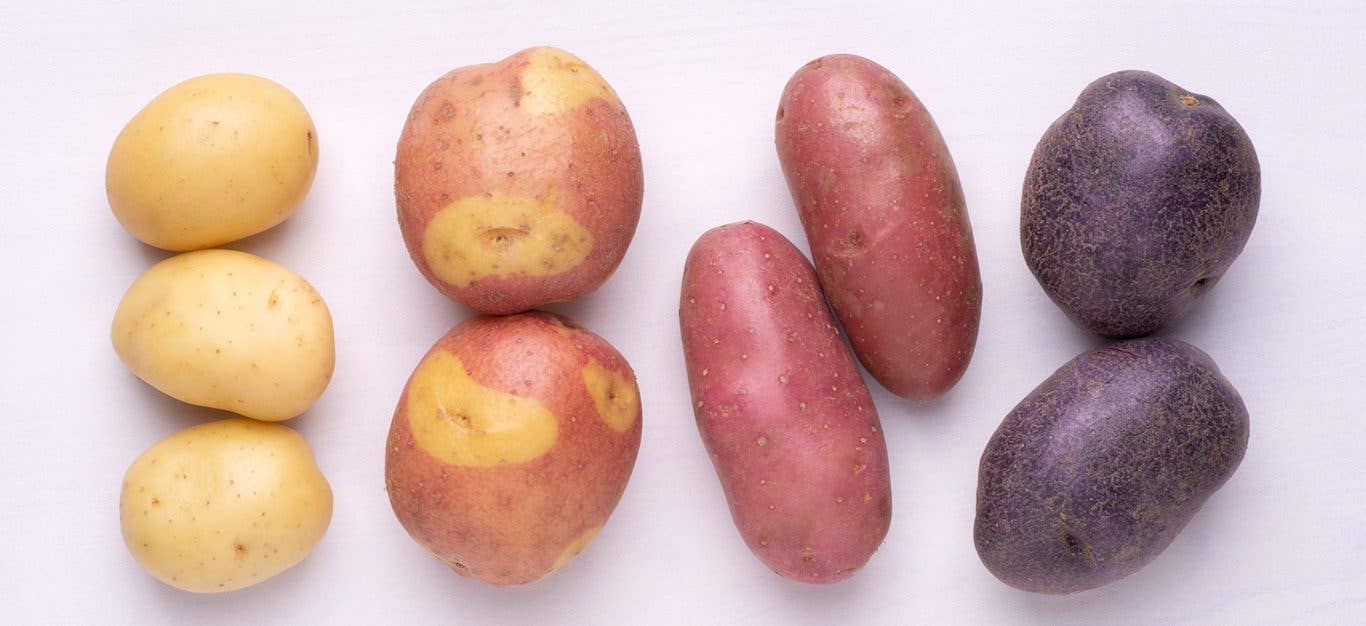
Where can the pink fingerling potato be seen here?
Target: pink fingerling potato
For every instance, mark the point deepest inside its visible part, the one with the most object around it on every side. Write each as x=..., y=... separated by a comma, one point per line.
x=883, y=211
x=781, y=406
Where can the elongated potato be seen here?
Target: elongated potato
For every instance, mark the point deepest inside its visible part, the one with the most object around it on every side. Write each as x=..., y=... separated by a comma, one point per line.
x=228, y=330
x=518, y=183
x=781, y=406
x=224, y=505
x=883, y=211
x=511, y=445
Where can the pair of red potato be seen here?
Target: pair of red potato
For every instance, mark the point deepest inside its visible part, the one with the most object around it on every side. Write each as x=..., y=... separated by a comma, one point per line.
x=780, y=402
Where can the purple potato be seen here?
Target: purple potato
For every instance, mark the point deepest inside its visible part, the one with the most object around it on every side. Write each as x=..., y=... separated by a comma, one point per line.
x=1136, y=201
x=1097, y=470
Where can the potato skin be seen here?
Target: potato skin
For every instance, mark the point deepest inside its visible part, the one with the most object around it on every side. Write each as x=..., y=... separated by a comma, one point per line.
x=1095, y=472
x=781, y=406
x=519, y=389
x=1136, y=202
x=228, y=330
x=884, y=214
x=529, y=171
x=212, y=160
x=224, y=505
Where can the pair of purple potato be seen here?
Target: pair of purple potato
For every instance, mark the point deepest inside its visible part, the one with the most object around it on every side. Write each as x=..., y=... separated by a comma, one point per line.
x=1087, y=479
x=1136, y=201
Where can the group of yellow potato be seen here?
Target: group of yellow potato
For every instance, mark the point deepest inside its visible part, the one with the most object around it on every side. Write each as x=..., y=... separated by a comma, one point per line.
x=226, y=504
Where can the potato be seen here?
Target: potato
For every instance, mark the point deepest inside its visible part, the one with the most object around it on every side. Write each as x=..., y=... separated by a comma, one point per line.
x=782, y=407
x=519, y=182
x=511, y=444
x=228, y=330
x=1136, y=201
x=884, y=214
x=224, y=505
x=1098, y=469
x=212, y=160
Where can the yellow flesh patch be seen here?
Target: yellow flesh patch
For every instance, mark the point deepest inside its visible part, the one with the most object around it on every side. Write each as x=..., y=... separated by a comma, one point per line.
x=555, y=81
x=573, y=549
x=461, y=422
x=616, y=397
x=499, y=235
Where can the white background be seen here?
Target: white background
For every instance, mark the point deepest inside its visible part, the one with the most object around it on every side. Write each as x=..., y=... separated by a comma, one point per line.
x=1284, y=540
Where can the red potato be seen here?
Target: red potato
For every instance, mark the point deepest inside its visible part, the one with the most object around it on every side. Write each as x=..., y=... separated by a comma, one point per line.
x=782, y=407
x=511, y=444
x=883, y=211
x=518, y=183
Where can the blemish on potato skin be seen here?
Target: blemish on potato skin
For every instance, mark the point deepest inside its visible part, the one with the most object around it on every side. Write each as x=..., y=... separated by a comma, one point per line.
x=494, y=235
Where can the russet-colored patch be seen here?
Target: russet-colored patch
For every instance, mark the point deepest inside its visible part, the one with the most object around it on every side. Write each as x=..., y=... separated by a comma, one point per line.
x=555, y=81
x=503, y=235
x=461, y=422
x=616, y=396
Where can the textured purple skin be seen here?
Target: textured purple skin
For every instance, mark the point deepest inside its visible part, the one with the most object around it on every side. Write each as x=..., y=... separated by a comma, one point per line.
x=1097, y=470
x=1136, y=201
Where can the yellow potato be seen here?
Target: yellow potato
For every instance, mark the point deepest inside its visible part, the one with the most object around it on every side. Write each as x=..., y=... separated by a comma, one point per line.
x=228, y=330
x=224, y=505
x=212, y=160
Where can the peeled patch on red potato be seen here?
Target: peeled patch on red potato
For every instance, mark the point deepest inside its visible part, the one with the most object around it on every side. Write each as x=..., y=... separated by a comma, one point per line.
x=782, y=407
x=518, y=183
x=883, y=211
x=511, y=444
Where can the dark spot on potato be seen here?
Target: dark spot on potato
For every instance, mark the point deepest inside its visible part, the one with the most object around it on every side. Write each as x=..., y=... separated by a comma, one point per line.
x=502, y=238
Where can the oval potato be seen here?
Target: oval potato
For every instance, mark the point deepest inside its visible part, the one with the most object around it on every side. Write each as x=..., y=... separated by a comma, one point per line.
x=228, y=330
x=224, y=505
x=212, y=160
x=883, y=210
x=511, y=444
x=782, y=407
x=518, y=183
x=1095, y=472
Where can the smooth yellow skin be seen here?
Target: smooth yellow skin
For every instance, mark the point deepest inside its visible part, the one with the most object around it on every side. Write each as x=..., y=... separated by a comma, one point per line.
x=555, y=81
x=224, y=505
x=500, y=235
x=212, y=160
x=461, y=422
x=616, y=397
x=228, y=330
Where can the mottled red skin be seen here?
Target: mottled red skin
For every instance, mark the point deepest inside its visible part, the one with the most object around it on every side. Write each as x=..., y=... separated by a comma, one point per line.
x=884, y=214
x=590, y=157
x=814, y=501
x=1136, y=202
x=1099, y=468
x=506, y=525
